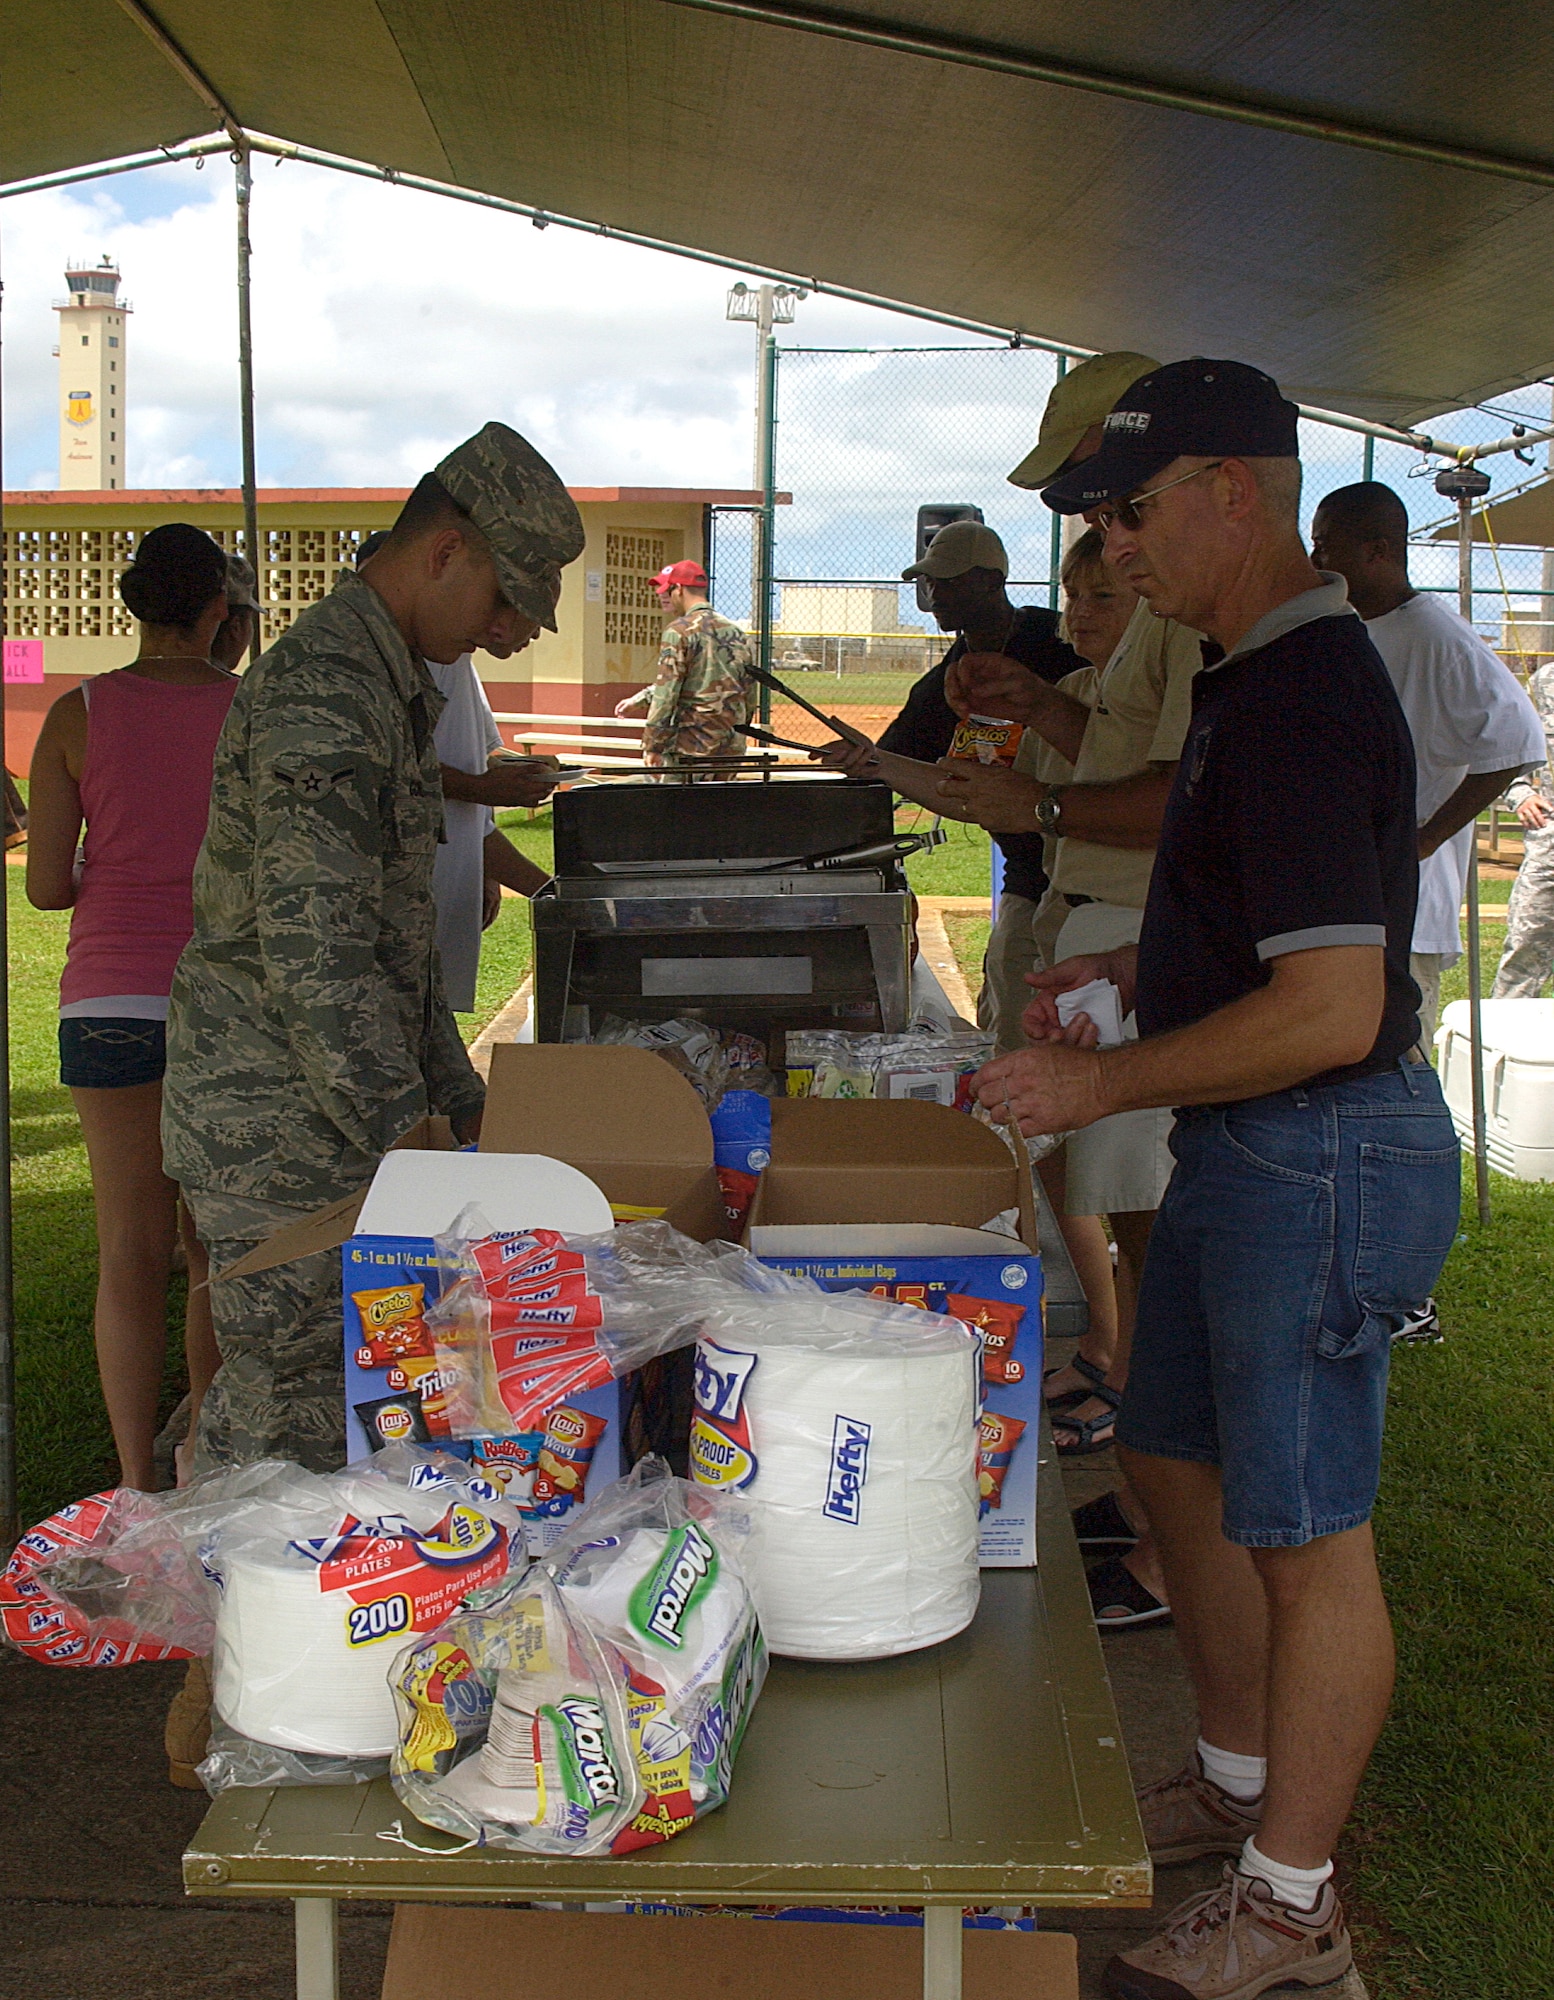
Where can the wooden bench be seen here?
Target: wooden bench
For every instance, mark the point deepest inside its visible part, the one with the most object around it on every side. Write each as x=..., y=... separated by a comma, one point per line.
x=988, y=1770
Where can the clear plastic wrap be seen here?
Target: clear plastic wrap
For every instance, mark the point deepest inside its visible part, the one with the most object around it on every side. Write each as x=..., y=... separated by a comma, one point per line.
x=299, y=1585
x=850, y=1427
x=921, y=1064
x=597, y=1703
x=524, y=1321
x=691, y=1047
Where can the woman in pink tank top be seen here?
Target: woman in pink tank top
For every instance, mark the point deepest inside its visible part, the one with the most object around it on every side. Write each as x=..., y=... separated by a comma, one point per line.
x=129, y=754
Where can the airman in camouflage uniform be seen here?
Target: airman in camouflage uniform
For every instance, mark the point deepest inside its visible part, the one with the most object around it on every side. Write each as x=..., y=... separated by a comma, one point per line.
x=308, y=1029
x=1528, y=958
x=703, y=692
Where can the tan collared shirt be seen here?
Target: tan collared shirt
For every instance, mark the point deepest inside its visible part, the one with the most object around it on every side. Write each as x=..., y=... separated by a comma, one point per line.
x=1142, y=708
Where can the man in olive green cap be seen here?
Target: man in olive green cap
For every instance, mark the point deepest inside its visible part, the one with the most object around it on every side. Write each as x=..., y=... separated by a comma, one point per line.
x=308, y=1029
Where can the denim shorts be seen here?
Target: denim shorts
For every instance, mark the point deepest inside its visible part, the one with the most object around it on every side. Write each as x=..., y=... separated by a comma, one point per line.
x=102, y=1052
x=1296, y=1232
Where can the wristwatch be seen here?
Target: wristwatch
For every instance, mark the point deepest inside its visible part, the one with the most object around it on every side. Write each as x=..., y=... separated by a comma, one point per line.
x=1049, y=813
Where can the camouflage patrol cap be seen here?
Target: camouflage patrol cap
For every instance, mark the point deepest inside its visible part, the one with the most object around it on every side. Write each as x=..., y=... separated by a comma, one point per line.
x=518, y=503
x=242, y=589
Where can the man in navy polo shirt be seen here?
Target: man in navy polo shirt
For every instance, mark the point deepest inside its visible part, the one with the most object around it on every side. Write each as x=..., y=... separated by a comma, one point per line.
x=1317, y=1177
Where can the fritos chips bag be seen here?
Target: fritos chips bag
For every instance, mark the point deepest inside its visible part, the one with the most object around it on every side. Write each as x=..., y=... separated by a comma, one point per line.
x=998, y=1321
x=425, y=1375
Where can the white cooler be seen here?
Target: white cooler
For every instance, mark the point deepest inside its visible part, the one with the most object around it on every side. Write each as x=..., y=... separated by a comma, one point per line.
x=1518, y=1082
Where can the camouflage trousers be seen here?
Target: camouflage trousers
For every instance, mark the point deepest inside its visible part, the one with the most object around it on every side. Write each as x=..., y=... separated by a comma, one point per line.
x=279, y=1392
x=1528, y=958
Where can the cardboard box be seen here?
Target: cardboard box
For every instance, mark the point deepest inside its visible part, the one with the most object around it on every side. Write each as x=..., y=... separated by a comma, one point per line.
x=890, y=1198
x=492, y=1954
x=621, y=1116
x=864, y=1160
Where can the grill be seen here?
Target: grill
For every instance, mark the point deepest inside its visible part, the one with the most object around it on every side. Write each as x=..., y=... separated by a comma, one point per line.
x=757, y=906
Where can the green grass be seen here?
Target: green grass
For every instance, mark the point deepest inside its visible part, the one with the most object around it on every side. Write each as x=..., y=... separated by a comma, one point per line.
x=968, y=935
x=1449, y=1849
x=961, y=867
x=65, y=1449
x=63, y=1442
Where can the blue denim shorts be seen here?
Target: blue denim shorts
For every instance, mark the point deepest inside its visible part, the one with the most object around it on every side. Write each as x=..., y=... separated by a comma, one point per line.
x=1296, y=1231
x=102, y=1052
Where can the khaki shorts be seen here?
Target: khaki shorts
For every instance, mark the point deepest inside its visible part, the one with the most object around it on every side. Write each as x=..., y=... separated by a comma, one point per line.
x=1120, y=1165
x=1011, y=953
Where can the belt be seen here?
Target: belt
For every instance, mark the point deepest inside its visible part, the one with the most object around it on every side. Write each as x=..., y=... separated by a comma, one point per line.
x=1074, y=902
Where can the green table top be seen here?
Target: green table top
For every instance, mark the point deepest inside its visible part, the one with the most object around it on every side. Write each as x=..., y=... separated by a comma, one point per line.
x=989, y=1769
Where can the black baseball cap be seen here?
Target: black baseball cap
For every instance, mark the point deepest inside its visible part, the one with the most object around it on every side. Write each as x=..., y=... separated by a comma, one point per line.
x=1191, y=409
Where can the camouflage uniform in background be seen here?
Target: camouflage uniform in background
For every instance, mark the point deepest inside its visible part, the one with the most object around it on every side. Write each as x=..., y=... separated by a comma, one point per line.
x=1528, y=958
x=307, y=1028
x=703, y=691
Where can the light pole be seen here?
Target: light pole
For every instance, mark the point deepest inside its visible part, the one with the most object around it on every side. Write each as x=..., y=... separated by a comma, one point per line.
x=766, y=306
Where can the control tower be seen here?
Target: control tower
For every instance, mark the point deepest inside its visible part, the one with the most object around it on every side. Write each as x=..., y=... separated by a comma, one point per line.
x=92, y=363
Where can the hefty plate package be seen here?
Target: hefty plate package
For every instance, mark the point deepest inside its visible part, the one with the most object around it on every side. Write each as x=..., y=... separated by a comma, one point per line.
x=993, y=1284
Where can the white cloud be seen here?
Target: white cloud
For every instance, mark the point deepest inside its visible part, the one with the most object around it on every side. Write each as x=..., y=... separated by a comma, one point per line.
x=387, y=325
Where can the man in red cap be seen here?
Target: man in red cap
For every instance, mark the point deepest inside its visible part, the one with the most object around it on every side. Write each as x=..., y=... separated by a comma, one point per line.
x=702, y=694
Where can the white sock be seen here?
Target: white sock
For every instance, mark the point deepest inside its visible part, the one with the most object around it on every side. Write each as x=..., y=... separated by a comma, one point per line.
x=1242, y=1777
x=1299, y=1887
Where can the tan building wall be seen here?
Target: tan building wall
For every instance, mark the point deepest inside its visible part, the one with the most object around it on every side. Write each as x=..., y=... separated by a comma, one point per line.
x=64, y=553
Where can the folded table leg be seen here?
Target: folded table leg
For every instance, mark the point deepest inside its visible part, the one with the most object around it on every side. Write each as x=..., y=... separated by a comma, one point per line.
x=318, y=1947
x=941, y=1953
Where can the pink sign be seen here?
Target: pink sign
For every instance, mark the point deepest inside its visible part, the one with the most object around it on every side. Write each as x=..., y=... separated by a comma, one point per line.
x=23, y=662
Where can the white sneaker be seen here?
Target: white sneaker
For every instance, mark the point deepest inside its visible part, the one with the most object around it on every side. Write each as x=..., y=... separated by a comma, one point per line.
x=1420, y=1328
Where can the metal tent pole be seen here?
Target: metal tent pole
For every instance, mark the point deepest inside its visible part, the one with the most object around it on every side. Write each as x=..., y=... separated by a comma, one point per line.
x=1464, y=484
x=766, y=479
x=245, y=370
x=10, y=1525
x=1055, y=531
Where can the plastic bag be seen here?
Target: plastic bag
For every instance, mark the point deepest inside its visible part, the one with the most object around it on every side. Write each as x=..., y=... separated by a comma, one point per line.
x=513, y=1726
x=597, y=1703
x=299, y=1585
x=741, y=1150
x=691, y=1047
x=655, y=1568
x=924, y=1064
x=849, y=1425
x=526, y=1320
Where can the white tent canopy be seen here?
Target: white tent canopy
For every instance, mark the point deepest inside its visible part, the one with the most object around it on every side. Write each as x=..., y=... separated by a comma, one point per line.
x=1360, y=199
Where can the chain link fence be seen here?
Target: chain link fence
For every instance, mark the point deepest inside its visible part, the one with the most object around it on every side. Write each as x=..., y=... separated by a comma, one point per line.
x=866, y=436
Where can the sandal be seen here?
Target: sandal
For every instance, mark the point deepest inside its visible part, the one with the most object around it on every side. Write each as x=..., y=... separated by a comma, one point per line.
x=1117, y=1598
x=1095, y=1376
x=1084, y=1430
x=1102, y=1521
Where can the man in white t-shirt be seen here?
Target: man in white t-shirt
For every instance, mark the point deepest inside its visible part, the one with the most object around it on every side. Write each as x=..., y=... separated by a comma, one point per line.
x=1474, y=729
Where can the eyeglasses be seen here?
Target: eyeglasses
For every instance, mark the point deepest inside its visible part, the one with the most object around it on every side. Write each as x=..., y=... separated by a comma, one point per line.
x=1130, y=513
